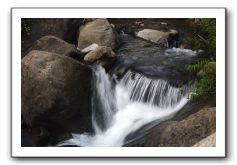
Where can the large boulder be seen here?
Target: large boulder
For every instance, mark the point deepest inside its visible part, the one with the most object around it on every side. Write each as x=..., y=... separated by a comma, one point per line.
x=184, y=133
x=102, y=55
x=64, y=28
x=56, y=94
x=98, y=31
x=56, y=45
x=158, y=37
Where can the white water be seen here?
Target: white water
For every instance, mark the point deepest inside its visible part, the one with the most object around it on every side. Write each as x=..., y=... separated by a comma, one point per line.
x=134, y=101
x=180, y=51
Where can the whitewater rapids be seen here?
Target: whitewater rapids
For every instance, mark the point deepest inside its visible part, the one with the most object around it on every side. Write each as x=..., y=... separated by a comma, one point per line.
x=122, y=107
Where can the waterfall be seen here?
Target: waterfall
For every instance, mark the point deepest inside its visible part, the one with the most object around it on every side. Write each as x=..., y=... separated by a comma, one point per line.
x=103, y=100
x=152, y=92
x=122, y=107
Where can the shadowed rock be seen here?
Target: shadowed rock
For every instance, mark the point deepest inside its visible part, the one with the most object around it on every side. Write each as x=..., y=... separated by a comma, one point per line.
x=56, y=45
x=56, y=94
x=64, y=28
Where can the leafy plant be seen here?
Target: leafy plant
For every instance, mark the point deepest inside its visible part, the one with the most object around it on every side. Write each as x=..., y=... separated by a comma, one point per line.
x=25, y=26
x=205, y=37
x=196, y=67
x=206, y=79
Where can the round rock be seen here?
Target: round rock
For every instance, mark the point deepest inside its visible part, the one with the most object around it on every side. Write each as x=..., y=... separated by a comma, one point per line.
x=56, y=93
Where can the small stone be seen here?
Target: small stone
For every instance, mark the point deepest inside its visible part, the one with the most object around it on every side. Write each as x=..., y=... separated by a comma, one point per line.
x=90, y=48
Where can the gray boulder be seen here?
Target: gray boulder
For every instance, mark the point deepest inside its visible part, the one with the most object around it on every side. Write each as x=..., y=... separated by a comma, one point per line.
x=56, y=94
x=98, y=31
x=158, y=37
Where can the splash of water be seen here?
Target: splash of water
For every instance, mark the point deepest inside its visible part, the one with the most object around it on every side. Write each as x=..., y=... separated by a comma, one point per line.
x=180, y=51
x=134, y=101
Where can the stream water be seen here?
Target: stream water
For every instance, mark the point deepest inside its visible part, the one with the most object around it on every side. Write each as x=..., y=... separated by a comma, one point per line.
x=141, y=95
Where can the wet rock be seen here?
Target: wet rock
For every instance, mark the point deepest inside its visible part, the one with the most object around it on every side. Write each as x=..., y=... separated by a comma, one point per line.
x=184, y=46
x=98, y=31
x=158, y=37
x=119, y=70
x=106, y=63
x=64, y=28
x=184, y=133
x=202, y=54
x=56, y=93
x=56, y=45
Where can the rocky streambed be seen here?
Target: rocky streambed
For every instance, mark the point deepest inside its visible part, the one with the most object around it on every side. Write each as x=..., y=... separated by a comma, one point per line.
x=58, y=64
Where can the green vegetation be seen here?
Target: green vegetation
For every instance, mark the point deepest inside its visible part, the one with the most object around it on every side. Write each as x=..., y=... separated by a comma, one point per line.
x=205, y=69
x=25, y=26
x=205, y=37
x=206, y=79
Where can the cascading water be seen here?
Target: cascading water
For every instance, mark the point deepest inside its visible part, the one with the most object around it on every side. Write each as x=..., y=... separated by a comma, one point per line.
x=123, y=108
x=152, y=92
x=103, y=100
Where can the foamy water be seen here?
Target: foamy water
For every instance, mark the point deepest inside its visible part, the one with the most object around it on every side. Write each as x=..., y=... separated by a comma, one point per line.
x=134, y=101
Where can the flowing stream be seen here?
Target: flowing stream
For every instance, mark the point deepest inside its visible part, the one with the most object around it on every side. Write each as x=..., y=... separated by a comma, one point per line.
x=125, y=108
x=120, y=107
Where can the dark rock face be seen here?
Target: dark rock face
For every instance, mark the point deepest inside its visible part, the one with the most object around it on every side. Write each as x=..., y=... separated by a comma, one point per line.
x=150, y=60
x=184, y=133
x=56, y=45
x=98, y=31
x=56, y=94
x=64, y=28
x=106, y=63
